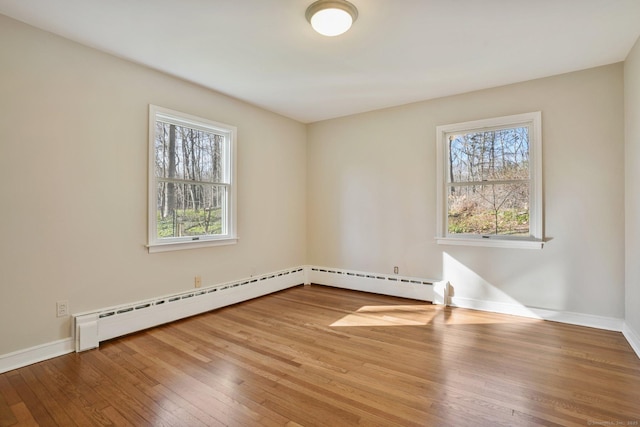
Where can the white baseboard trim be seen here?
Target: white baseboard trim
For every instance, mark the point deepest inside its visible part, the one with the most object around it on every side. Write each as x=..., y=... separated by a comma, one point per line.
x=29, y=356
x=633, y=337
x=580, y=319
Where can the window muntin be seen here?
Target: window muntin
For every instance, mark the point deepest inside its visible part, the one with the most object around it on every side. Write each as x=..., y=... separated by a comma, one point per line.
x=489, y=180
x=191, y=191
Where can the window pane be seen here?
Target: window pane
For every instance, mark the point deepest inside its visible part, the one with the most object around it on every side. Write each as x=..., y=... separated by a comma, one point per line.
x=486, y=209
x=496, y=155
x=190, y=209
x=191, y=154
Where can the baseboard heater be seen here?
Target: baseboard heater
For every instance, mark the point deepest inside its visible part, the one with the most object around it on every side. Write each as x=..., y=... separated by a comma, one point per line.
x=101, y=325
x=400, y=286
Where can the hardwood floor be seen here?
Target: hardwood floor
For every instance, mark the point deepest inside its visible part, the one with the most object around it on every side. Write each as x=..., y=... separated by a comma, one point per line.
x=323, y=356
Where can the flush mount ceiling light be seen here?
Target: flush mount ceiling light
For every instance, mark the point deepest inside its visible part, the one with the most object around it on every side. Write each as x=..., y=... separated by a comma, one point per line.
x=331, y=17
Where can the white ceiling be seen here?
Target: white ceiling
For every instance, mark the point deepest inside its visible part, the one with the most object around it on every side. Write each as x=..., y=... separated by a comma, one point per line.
x=398, y=51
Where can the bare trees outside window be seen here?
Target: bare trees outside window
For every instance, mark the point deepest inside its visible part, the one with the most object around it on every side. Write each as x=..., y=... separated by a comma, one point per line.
x=188, y=162
x=192, y=178
x=489, y=182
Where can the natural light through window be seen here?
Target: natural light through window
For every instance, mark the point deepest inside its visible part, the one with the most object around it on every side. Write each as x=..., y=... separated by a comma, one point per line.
x=389, y=315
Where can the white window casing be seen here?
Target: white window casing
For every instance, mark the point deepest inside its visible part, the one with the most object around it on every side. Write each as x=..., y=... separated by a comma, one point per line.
x=224, y=185
x=535, y=238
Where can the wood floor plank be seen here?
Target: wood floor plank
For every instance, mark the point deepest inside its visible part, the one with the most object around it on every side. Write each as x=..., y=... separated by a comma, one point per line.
x=34, y=408
x=139, y=407
x=7, y=417
x=50, y=401
x=287, y=371
x=178, y=374
x=321, y=356
x=6, y=390
x=57, y=387
x=23, y=415
x=75, y=384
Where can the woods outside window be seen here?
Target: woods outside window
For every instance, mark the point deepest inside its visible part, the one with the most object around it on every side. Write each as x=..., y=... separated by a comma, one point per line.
x=191, y=181
x=490, y=182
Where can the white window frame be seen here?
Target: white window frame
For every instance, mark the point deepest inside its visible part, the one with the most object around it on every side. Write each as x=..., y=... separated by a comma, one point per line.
x=535, y=240
x=229, y=132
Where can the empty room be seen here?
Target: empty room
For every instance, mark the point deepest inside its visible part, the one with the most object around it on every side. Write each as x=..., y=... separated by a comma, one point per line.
x=320, y=213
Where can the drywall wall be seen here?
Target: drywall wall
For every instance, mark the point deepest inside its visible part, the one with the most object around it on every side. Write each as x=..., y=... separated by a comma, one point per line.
x=73, y=185
x=632, y=192
x=372, y=195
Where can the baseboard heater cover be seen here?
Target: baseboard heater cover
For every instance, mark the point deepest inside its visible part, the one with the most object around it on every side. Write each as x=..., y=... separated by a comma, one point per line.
x=93, y=327
x=394, y=285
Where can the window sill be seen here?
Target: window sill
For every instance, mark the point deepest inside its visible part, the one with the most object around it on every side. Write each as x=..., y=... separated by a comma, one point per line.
x=178, y=246
x=494, y=243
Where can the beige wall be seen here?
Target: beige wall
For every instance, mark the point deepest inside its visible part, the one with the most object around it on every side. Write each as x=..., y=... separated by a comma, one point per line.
x=73, y=185
x=372, y=204
x=632, y=180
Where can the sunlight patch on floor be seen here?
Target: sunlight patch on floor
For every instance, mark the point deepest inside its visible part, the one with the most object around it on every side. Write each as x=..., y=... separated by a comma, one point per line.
x=468, y=317
x=389, y=315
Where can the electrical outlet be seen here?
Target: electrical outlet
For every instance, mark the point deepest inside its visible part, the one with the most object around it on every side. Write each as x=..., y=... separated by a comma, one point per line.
x=396, y=270
x=62, y=308
x=198, y=281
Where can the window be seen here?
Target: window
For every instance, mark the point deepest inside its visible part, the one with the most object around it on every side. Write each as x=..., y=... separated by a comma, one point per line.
x=490, y=182
x=191, y=181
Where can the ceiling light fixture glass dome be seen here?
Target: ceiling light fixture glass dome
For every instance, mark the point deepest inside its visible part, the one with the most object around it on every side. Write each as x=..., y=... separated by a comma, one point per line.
x=331, y=17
